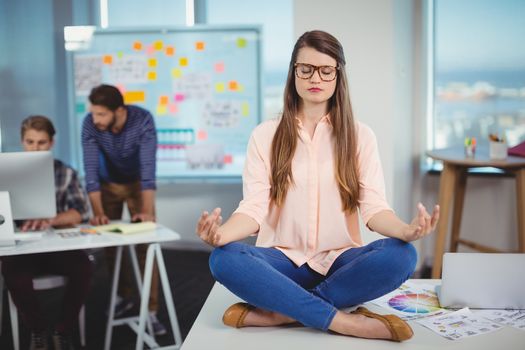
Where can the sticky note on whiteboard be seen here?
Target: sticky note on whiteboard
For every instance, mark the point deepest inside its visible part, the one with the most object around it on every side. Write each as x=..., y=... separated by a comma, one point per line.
x=157, y=45
x=219, y=87
x=137, y=45
x=170, y=50
x=176, y=73
x=152, y=75
x=199, y=46
x=241, y=42
x=183, y=61
x=219, y=67
x=107, y=59
x=134, y=97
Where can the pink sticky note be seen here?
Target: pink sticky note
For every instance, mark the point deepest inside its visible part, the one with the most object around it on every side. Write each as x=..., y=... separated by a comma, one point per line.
x=121, y=88
x=150, y=50
x=202, y=135
x=173, y=108
x=179, y=97
x=228, y=159
x=219, y=67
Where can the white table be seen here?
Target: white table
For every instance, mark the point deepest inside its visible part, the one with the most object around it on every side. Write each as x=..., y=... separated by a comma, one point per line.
x=209, y=332
x=52, y=242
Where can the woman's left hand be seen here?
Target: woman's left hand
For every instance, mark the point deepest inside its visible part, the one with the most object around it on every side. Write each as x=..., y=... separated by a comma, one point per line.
x=422, y=224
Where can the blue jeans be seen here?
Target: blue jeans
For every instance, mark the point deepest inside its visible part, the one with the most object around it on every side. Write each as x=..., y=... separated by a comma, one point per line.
x=267, y=279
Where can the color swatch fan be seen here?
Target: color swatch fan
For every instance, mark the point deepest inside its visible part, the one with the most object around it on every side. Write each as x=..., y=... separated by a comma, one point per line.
x=415, y=303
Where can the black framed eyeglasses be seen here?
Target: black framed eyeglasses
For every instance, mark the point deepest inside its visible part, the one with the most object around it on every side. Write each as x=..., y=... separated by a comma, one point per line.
x=306, y=71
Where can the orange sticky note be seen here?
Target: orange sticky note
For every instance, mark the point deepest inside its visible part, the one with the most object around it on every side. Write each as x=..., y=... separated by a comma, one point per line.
x=152, y=75
x=202, y=135
x=170, y=50
x=233, y=85
x=107, y=59
x=163, y=100
x=183, y=61
x=158, y=45
x=137, y=45
x=199, y=45
x=134, y=97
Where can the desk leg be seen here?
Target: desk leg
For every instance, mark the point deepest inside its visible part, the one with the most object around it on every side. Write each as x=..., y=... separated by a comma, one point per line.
x=446, y=189
x=138, y=279
x=520, y=196
x=143, y=315
x=168, y=297
x=113, y=297
x=459, y=199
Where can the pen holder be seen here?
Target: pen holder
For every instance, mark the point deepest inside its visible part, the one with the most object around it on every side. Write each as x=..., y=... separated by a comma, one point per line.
x=470, y=151
x=497, y=150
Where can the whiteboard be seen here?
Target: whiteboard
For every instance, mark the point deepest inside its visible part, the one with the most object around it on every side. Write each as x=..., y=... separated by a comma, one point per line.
x=202, y=85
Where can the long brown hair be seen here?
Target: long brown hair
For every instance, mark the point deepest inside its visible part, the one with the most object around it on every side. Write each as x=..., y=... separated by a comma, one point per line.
x=340, y=110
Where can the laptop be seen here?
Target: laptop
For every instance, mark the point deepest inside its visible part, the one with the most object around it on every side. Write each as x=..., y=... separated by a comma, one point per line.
x=483, y=281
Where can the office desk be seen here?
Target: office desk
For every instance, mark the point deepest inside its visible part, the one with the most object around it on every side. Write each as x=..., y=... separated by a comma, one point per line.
x=208, y=332
x=52, y=242
x=452, y=186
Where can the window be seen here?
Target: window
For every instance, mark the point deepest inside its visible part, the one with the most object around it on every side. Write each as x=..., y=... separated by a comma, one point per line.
x=479, y=71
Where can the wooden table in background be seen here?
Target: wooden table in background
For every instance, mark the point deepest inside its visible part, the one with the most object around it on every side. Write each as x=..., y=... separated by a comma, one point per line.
x=452, y=187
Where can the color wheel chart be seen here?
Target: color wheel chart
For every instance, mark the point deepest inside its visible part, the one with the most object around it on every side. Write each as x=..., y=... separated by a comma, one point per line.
x=415, y=303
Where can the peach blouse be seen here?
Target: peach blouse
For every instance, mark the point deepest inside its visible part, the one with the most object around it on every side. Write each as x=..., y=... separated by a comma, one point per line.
x=311, y=227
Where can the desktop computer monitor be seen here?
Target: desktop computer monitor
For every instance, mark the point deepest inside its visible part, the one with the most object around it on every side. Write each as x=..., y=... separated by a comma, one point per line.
x=29, y=178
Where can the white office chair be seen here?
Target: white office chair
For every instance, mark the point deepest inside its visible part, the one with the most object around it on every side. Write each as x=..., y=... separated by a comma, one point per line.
x=43, y=283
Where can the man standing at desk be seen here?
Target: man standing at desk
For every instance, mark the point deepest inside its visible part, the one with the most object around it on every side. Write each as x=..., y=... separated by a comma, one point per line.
x=119, y=145
x=19, y=270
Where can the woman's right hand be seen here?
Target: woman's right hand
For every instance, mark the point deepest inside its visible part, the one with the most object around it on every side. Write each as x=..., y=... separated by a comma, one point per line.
x=208, y=227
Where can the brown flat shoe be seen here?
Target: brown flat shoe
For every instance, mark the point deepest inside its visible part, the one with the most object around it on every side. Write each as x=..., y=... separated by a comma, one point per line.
x=235, y=314
x=399, y=329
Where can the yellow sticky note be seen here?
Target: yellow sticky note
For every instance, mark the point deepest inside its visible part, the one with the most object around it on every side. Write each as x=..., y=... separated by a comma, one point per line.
x=152, y=62
x=152, y=75
x=219, y=87
x=137, y=45
x=241, y=42
x=170, y=50
x=157, y=45
x=163, y=100
x=107, y=59
x=120, y=54
x=199, y=46
x=245, y=109
x=134, y=97
x=176, y=72
x=162, y=109
x=183, y=61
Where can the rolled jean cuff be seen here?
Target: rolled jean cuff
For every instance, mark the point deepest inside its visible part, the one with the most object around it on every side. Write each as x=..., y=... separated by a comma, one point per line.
x=329, y=319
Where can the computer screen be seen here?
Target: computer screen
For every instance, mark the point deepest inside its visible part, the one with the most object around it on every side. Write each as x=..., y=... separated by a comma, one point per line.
x=29, y=179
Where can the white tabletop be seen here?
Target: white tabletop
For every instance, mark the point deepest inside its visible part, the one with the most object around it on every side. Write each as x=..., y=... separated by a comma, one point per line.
x=208, y=332
x=53, y=242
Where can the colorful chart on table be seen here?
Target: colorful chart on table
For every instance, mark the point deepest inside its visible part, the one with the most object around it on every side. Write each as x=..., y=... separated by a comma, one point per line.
x=415, y=303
